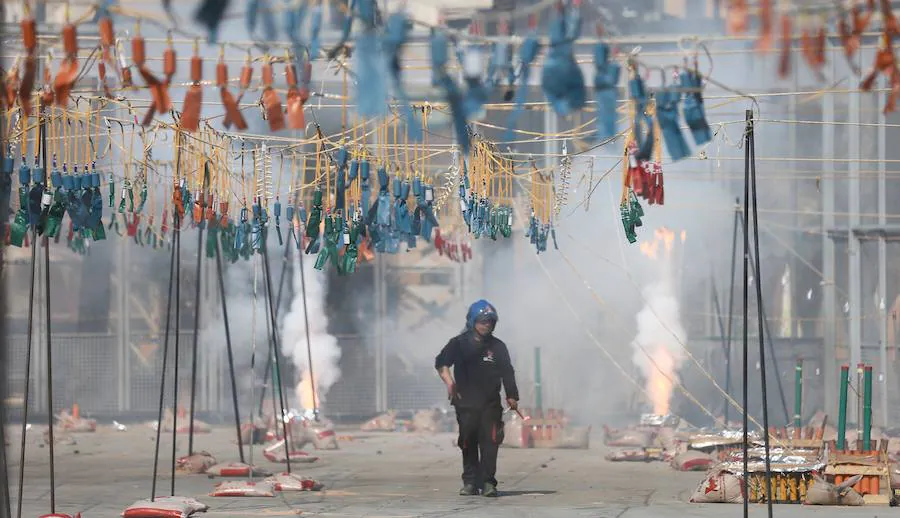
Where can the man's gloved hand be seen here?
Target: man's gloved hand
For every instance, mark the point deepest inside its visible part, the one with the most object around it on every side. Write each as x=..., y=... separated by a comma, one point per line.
x=513, y=404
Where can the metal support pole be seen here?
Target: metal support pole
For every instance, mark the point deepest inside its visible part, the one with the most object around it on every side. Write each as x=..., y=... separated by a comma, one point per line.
x=829, y=289
x=842, y=408
x=197, y=305
x=234, y=396
x=798, y=396
x=882, y=268
x=867, y=409
x=746, y=338
x=728, y=333
x=853, y=243
x=538, y=395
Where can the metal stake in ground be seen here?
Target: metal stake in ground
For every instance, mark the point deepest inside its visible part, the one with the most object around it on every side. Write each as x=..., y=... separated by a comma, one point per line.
x=46, y=240
x=759, y=317
x=177, y=357
x=276, y=350
x=28, y=351
x=234, y=397
x=744, y=379
x=728, y=338
x=312, y=378
x=281, y=281
x=162, y=381
x=203, y=195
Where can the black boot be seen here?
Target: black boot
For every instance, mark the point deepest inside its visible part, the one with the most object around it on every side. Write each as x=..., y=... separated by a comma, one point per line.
x=467, y=490
x=490, y=490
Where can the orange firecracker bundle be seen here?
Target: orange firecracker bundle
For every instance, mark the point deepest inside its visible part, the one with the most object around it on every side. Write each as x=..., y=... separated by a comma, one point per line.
x=275, y=453
x=293, y=482
x=195, y=464
x=165, y=507
x=236, y=469
x=243, y=488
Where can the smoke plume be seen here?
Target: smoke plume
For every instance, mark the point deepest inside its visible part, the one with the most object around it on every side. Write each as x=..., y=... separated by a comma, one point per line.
x=658, y=345
x=325, y=350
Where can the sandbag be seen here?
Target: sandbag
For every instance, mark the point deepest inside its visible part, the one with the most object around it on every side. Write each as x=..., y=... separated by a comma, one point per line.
x=165, y=507
x=574, y=437
x=822, y=492
x=236, y=469
x=426, y=421
x=196, y=463
x=243, y=488
x=692, y=461
x=275, y=453
x=719, y=487
x=385, y=422
x=320, y=433
x=631, y=455
x=293, y=482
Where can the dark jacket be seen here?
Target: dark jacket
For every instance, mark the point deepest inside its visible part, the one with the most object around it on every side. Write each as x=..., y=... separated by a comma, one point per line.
x=478, y=369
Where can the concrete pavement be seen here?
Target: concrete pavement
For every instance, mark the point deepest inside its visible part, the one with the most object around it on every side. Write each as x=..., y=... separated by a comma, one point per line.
x=380, y=476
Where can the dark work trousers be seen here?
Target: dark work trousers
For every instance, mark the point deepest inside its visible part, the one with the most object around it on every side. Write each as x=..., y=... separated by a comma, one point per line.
x=480, y=437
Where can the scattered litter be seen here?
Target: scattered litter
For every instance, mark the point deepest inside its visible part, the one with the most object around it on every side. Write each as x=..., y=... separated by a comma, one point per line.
x=826, y=493
x=427, y=421
x=74, y=423
x=165, y=507
x=236, y=469
x=195, y=464
x=383, y=423
x=293, y=482
x=119, y=426
x=243, y=488
x=275, y=453
x=627, y=438
x=720, y=487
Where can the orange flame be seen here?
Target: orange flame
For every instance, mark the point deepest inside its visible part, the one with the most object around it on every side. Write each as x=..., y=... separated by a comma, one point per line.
x=660, y=383
x=308, y=398
x=663, y=236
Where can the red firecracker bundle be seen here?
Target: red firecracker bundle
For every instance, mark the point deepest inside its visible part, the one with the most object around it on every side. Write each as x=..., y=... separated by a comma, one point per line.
x=456, y=249
x=165, y=507
x=293, y=482
x=195, y=464
x=647, y=177
x=275, y=453
x=236, y=469
x=243, y=488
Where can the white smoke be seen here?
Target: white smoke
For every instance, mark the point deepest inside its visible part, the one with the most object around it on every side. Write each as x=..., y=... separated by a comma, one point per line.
x=658, y=346
x=325, y=350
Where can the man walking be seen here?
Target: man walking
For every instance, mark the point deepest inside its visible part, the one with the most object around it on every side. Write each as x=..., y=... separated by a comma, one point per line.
x=480, y=363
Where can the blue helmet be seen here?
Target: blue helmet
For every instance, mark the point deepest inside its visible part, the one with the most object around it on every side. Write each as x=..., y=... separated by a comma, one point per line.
x=481, y=310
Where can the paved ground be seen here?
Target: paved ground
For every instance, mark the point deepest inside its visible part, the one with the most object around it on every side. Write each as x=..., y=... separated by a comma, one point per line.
x=381, y=476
